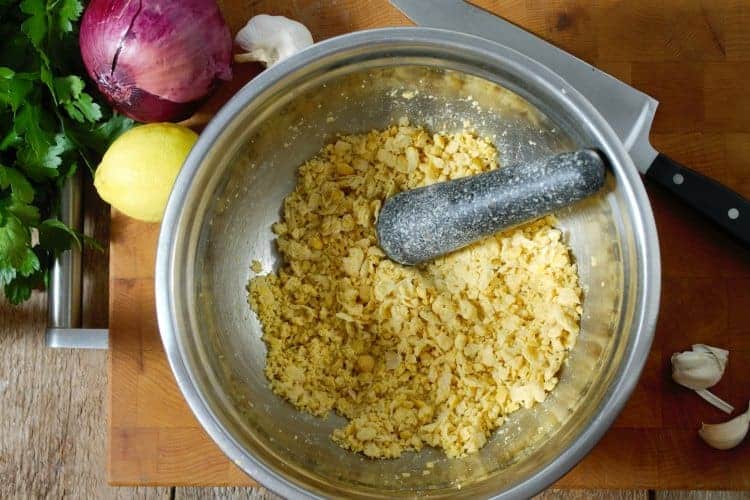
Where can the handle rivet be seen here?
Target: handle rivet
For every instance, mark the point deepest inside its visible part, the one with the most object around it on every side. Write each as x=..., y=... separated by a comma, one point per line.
x=733, y=213
x=678, y=179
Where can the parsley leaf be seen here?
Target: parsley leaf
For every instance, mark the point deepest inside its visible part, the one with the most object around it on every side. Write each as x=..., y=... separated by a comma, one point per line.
x=20, y=288
x=56, y=236
x=18, y=184
x=15, y=250
x=49, y=124
x=7, y=274
x=79, y=105
x=28, y=214
x=14, y=87
x=68, y=12
x=41, y=155
x=99, y=137
x=35, y=26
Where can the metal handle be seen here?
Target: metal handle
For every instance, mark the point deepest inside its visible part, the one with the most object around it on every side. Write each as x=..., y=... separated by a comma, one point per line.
x=720, y=204
x=64, y=291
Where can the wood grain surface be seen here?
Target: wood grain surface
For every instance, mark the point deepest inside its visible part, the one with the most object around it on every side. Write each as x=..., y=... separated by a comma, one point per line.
x=692, y=56
x=52, y=412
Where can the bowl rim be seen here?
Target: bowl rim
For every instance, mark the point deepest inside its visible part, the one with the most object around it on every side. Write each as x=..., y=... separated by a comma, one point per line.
x=644, y=229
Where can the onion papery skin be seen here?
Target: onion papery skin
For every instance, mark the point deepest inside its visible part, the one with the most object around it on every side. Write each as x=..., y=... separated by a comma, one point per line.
x=155, y=60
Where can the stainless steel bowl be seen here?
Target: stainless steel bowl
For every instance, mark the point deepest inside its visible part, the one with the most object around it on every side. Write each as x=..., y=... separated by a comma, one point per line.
x=230, y=192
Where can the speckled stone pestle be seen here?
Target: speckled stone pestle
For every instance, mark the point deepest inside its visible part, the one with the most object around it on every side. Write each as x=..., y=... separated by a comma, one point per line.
x=421, y=224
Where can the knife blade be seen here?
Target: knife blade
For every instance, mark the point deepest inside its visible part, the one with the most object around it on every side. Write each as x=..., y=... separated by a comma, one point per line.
x=629, y=111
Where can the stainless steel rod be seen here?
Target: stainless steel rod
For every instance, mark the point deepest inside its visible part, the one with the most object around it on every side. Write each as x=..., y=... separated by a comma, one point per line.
x=64, y=291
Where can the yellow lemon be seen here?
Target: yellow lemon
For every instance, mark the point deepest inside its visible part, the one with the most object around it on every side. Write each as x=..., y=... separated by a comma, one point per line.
x=138, y=170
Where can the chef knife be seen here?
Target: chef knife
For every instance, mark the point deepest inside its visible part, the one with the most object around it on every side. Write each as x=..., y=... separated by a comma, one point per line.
x=629, y=112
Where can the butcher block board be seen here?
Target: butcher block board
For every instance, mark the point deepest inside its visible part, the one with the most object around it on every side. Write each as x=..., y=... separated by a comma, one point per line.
x=692, y=56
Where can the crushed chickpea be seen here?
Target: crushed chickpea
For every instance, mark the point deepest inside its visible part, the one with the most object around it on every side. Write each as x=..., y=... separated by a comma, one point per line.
x=434, y=355
x=365, y=363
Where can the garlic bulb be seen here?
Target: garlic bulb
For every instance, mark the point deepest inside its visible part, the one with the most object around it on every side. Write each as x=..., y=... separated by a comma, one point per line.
x=270, y=39
x=701, y=368
x=728, y=434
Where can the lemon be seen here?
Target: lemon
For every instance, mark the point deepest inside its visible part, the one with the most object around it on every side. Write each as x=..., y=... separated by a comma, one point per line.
x=138, y=170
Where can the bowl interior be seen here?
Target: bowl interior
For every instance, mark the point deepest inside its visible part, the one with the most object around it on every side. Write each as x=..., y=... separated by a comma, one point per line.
x=254, y=166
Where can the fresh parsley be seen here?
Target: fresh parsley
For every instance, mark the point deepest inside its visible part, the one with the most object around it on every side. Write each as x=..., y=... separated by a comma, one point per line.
x=49, y=127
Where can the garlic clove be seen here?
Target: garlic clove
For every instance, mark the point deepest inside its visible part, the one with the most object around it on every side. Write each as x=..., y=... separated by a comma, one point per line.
x=700, y=368
x=270, y=39
x=721, y=355
x=726, y=435
x=695, y=370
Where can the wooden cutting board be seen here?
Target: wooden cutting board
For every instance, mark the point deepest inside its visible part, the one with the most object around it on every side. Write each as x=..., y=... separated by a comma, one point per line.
x=690, y=55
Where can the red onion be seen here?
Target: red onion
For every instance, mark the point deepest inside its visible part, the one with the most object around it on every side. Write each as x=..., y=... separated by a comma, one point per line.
x=154, y=60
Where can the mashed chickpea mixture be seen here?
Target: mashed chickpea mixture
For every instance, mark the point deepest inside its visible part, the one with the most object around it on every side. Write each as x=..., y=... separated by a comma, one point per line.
x=432, y=355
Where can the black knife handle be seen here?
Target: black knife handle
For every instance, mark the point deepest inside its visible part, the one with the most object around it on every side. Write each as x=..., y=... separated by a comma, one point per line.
x=712, y=199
